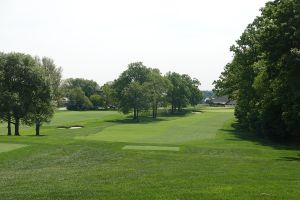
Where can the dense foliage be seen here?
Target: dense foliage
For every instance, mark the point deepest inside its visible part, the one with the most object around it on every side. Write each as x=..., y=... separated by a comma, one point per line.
x=141, y=88
x=264, y=76
x=82, y=94
x=28, y=89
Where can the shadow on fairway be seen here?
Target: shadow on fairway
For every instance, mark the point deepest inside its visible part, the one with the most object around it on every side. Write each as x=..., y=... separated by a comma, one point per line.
x=289, y=158
x=148, y=119
x=36, y=135
x=240, y=134
x=143, y=120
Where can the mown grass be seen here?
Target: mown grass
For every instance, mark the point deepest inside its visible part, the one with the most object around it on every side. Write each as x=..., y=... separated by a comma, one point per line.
x=215, y=160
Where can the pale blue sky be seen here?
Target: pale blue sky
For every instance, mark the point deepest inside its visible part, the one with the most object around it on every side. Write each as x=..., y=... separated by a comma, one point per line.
x=97, y=39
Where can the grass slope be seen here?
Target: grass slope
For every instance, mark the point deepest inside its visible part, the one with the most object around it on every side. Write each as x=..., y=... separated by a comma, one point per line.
x=225, y=164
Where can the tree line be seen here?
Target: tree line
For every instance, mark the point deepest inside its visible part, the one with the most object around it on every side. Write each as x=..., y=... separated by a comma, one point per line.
x=139, y=88
x=264, y=75
x=29, y=88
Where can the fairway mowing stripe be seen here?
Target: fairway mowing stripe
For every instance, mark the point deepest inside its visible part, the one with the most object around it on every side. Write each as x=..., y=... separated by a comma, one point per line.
x=5, y=147
x=150, y=148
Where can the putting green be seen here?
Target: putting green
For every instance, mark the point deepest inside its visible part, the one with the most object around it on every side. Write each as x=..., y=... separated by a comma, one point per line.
x=150, y=148
x=4, y=147
x=178, y=130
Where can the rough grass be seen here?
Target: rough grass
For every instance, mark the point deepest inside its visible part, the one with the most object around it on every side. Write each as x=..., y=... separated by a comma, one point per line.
x=227, y=164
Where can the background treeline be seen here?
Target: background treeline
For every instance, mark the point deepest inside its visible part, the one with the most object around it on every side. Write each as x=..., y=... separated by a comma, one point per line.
x=29, y=90
x=264, y=76
x=137, y=89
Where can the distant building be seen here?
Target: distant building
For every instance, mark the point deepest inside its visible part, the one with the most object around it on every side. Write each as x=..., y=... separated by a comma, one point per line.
x=222, y=101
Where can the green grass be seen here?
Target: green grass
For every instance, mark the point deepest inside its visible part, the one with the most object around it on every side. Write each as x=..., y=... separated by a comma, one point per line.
x=4, y=147
x=150, y=148
x=174, y=130
x=215, y=161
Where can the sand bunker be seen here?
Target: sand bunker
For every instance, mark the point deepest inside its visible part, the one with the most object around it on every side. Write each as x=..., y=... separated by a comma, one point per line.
x=75, y=127
x=70, y=127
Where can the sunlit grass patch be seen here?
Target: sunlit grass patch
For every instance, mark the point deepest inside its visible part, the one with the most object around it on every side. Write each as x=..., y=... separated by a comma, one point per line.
x=151, y=148
x=4, y=147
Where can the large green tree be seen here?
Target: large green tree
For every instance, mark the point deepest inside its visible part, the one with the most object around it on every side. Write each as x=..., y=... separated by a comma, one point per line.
x=132, y=80
x=264, y=74
x=41, y=108
x=78, y=100
x=183, y=91
x=157, y=87
x=108, y=94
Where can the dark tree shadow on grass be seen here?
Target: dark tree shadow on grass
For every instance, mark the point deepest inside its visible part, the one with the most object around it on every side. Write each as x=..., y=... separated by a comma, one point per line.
x=240, y=134
x=36, y=135
x=290, y=158
x=167, y=115
x=142, y=120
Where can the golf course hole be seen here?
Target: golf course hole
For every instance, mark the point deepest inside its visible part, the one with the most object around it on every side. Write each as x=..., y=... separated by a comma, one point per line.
x=150, y=148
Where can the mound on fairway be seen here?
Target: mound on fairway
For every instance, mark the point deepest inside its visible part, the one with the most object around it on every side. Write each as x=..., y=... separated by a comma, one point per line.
x=178, y=130
x=4, y=147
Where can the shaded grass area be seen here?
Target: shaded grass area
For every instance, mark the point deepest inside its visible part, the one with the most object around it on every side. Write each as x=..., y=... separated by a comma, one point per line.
x=225, y=165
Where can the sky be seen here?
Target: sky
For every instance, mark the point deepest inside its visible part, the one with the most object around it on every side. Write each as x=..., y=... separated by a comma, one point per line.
x=97, y=39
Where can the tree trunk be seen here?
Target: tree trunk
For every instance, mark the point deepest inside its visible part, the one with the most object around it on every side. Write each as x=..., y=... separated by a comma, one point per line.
x=17, y=126
x=9, y=124
x=153, y=110
x=37, y=128
x=137, y=115
x=134, y=113
x=156, y=110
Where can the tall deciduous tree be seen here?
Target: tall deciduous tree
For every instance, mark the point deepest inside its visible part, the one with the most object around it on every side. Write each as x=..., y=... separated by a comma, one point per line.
x=108, y=94
x=41, y=109
x=157, y=87
x=132, y=80
x=264, y=74
x=183, y=91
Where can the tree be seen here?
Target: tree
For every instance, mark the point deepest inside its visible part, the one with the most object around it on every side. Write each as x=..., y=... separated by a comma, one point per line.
x=96, y=100
x=6, y=96
x=132, y=80
x=41, y=108
x=20, y=75
x=157, y=87
x=134, y=96
x=89, y=87
x=78, y=100
x=54, y=75
x=196, y=95
x=108, y=94
x=264, y=74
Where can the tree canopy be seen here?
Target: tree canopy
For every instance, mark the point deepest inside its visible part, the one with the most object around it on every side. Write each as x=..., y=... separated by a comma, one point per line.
x=141, y=88
x=26, y=91
x=264, y=74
